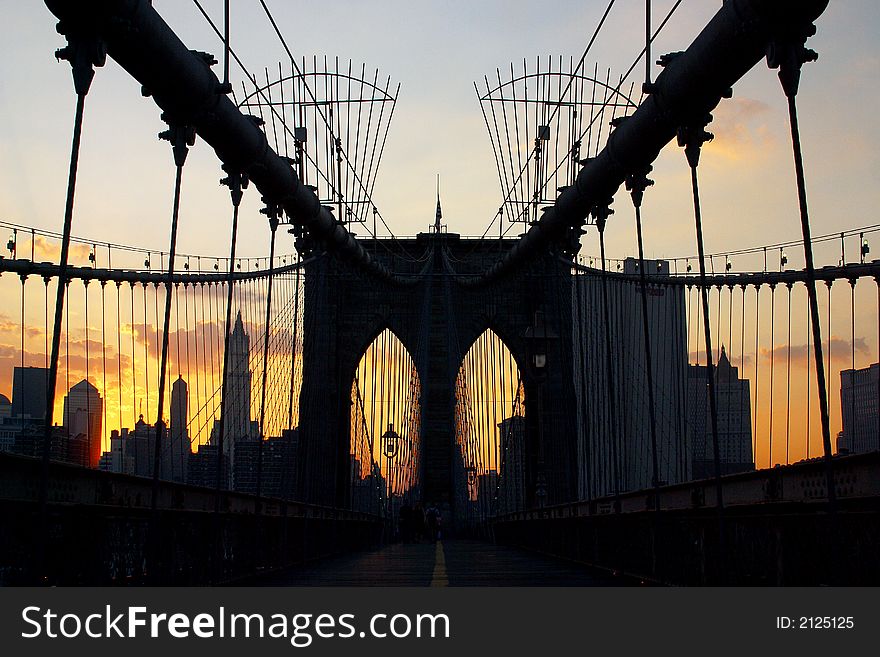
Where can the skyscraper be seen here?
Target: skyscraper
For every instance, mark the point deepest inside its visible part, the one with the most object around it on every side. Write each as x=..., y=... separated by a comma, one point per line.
x=7, y=435
x=179, y=447
x=512, y=492
x=614, y=450
x=29, y=392
x=733, y=410
x=83, y=409
x=859, y=396
x=237, y=407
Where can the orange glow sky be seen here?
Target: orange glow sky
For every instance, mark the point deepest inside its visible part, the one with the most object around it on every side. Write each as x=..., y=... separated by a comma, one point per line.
x=747, y=180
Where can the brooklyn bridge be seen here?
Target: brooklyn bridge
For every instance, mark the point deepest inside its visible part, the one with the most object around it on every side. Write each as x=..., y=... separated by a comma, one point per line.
x=516, y=406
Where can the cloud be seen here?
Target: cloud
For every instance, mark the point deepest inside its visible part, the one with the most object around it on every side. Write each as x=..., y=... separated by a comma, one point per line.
x=841, y=352
x=740, y=129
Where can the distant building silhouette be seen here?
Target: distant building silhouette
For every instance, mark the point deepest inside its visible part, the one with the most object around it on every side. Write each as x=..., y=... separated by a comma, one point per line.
x=512, y=492
x=7, y=438
x=627, y=436
x=133, y=451
x=30, y=438
x=733, y=410
x=202, y=469
x=654, y=267
x=113, y=459
x=278, y=465
x=22, y=425
x=487, y=486
x=83, y=413
x=859, y=397
x=178, y=447
x=29, y=392
x=237, y=425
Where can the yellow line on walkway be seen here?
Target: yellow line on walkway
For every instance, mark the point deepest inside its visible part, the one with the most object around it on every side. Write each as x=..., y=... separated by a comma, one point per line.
x=439, y=578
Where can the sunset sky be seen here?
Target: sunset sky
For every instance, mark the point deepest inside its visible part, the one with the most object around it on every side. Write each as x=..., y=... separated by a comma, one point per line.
x=436, y=50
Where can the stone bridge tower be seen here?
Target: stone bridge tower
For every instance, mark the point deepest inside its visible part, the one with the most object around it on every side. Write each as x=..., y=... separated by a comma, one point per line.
x=437, y=312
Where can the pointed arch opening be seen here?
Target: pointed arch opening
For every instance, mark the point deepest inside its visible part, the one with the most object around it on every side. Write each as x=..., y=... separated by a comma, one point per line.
x=490, y=430
x=385, y=428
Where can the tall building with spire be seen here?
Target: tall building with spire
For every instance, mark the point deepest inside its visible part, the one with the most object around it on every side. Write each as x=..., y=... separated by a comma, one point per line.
x=237, y=425
x=439, y=214
x=733, y=410
x=178, y=437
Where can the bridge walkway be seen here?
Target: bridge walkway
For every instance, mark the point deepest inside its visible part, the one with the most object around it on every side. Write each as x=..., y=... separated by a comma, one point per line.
x=445, y=563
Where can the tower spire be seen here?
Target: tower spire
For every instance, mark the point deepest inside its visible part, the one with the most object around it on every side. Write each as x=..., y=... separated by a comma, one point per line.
x=439, y=214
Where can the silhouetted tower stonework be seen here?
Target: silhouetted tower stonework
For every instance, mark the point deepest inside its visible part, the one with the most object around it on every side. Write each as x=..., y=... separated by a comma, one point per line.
x=437, y=310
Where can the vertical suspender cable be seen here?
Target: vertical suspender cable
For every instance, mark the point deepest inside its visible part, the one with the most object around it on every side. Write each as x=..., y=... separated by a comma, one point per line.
x=83, y=52
x=236, y=182
x=602, y=214
x=273, y=225
x=788, y=53
x=637, y=183
x=809, y=412
x=582, y=366
x=852, y=396
x=772, y=364
x=82, y=61
x=648, y=39
x=88, y=458
x=294, y=341
x=178, y=135
x=788, y=382
x=692, y=138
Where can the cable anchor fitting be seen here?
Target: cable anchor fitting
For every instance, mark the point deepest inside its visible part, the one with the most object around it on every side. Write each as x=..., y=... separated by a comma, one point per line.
x=84, y=52
x=600, y=213
x=787, y=52
x=274, y=211
x=636, y=184
x=692, y=136
x=180, y=136
x=237, y=182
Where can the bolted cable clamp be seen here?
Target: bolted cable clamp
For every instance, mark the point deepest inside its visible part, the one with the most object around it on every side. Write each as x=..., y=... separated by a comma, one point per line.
x=273, y=211
x=600, y=213
x=237, y=182
x=692, y=136
x=787, y=52
x=84, y=52
x=636, y=184
x=181, y=138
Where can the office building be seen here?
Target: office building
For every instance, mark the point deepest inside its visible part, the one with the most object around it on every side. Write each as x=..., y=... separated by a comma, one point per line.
x=733, y=411
x=82, y=416
x=859, y=396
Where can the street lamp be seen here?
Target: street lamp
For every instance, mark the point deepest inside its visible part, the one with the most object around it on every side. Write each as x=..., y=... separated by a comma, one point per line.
x=390, y=442
x=537, y=338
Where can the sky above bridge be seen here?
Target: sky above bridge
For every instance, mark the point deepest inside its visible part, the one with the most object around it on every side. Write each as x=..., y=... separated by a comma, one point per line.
x=436, y=51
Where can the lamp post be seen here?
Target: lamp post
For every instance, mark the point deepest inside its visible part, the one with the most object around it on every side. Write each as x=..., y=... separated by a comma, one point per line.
x=537, y=338
x=470, y=483
x=390, y=442
x=390, y=448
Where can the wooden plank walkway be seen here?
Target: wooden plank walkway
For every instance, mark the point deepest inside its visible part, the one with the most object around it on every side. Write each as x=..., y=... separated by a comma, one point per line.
x=446, y=563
